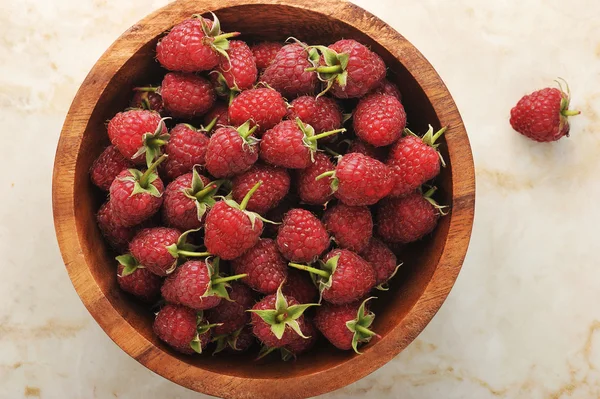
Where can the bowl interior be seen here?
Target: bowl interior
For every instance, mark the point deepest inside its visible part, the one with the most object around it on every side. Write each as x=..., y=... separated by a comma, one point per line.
x=258, y=22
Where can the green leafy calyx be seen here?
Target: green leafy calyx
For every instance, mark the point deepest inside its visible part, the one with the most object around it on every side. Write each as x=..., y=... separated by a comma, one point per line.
x=359, y=326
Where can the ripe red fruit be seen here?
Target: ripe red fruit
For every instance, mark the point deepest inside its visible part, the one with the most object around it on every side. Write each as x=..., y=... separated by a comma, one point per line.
x=136, y=196
x=186, y=95
x=187, y=199
x=350, y=68
x=389, y=88
x=186, y=148
x=237, y=72
x=262, y=106
x=147, y=98
x=302, y=237
x=219, y=112
x=264, y=53
x=344, y=277
x=322, y=113
x=137, y=280
x=277, y=319
x=414, y=161
x=291, y=144
x=231, y=152
x=310, y=190
x=193, y=45
x=151, y=248
x=299, y=286
x=543, y=115
x=299, y=345
x=197, y=284
x=378, y=153
x=182, y=328
x=287, y=72
x=379, y=119
x=350, y=226
x=231, y=315
x=382, y=259
x=137, y=132
x=407, y=219
x=345, y=326
x=107, y=166
x=230, y=230
x=360, y=180
x=264, y=265
x=275, y=186
x=117, y=236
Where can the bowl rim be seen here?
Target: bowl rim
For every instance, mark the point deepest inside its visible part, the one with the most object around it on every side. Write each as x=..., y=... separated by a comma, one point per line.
x=322, y=381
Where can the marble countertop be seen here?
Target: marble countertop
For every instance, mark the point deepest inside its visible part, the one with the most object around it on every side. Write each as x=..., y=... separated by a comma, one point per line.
x=523, y=320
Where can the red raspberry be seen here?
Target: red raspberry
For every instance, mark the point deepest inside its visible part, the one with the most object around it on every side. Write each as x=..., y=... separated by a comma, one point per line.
x=350, y=226
x=276, y=185
x=264, y=265
x=263, y=107
x=147, y=98
x=389, y=88
x=186, y=95
x=186, y=148
x=291, y=144
x=364, y=69
x=230, y=230
x=140, y=283
x=126, y=131
x=379, y=119
x=345, y=326
x=191, y=47
x=118, y=237
x=312, y=191
x=276, y=215
x=219, y=111
x=186, y=201
x=178, y=326
x=149, y=247
x=381, y=258
x=236, y=342
x=239, y=71
x=406, y=219
x=285, y=322
x=231, y=152
x=107, y=166
x=232, y=315
x=543, y=115
x=136, y=196
x=299, y=286
x=361, y=180
x=264, y=53
x=287, y=72
x=190, y=285
x=379, y=153
x=299, y=345
x=302, y=237
x=322, y=113
x=414, y=161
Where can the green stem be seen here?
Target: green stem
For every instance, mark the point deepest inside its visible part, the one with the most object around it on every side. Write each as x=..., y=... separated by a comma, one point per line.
x=192, y=254
x=144, y=180
x=364, y=331
x=326, y=69
x=146, y=89
x=226, y=36
x=206, y=190
x=430, y=192
x=155, y=142
x=330, y=173
x=249, y=195
x=313, y=270
x=570, y=112
x=211, y=125
x=438, y=134
x=325, y=134
x=228, y=278
x=249, y=132
x=330, y=151
x=280, y=317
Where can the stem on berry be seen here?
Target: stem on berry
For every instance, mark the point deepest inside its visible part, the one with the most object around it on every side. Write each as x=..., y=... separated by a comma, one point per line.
x=206, y=190
x=438, y=134
x=330, y=173
x=310, y=269
x=249, y=132
x=226, y=36
x=326, y=69
x=365, y=331
x=211, y=125
x=146, y=89
x=228, y=278
x=430, y=192
x=325, y=134
x=247, y=197
x=145, y=179
x=192, y=254
x=570, y=112
x=155, y=142
x=280, y=317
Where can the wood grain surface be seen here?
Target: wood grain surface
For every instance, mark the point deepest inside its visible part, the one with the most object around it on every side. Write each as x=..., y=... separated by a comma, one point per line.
x=431, y=266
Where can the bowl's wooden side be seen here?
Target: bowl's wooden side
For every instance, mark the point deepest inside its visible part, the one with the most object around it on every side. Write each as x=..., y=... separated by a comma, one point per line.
x=431, y=267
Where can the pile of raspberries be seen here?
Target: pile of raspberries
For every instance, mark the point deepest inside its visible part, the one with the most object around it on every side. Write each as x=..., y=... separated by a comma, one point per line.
x=271, y=222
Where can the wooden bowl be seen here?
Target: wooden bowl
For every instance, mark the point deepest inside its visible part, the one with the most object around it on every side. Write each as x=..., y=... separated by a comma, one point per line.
x=430, y=267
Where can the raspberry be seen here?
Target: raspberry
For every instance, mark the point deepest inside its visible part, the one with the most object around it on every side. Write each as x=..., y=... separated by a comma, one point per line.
x=186, y=95
x=263, y=107
x=287, y=72
x=275, y=186
x=150, y=248
x=232, y=315
x=107, y=166
x=219, y=111
x=350, y=226
x=299, y=286
x=264, y=265
x=389, y=88
x=186, y=148
x=231, y=151
x=312, y=191
x=382, y=259
x=264, y=53
x=378, y=153
x=302, y=237
x=379, y=119
x=322, y=113
x=190, y=285
x=147, y=98
x=118, y=237
x=140, y=283
x=239, y=71
x=182, y=329
x=299, y=345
